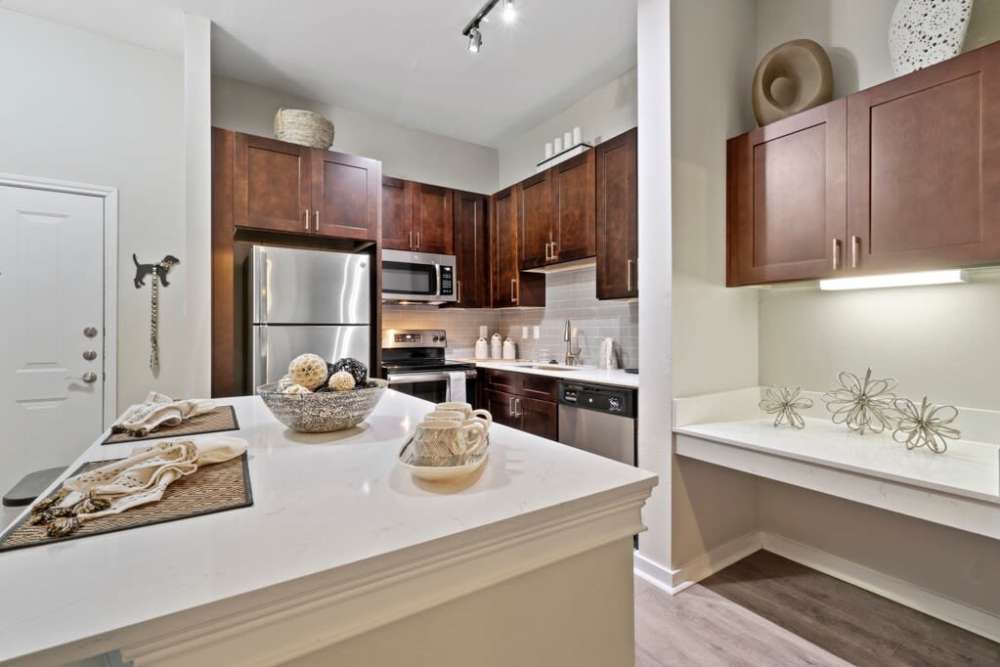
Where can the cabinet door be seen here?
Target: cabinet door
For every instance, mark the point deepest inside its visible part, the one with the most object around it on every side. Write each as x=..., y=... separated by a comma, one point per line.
x=617, y=224
x=573, y=183
x=433, y=225
x=539, y=418
x=535, y=213
x=924, y=165
x=346, y=195
x=786, y=198
x=397, y=215
x=503, y=239
x=271, y=185
x=502, y=406
x=472, y=250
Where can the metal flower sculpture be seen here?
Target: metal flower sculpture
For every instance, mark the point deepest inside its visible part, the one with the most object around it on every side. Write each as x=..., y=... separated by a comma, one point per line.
x=863, y=405
x=785, y=403
x=928, y=425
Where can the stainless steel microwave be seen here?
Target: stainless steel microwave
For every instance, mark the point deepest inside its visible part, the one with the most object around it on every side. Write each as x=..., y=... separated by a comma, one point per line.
x=418, y=277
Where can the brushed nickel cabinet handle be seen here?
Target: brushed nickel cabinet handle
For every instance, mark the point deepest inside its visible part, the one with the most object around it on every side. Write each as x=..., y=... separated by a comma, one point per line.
x=418, y=240
x=510, y=406
x=628, y=271
x=836, y=254
x=307, y=219
x=316, y=219
x=855, y=251
x=513, y=287
x=517, y=407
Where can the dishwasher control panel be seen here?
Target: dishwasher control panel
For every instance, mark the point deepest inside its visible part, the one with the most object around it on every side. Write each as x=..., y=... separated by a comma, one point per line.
x=600, y=398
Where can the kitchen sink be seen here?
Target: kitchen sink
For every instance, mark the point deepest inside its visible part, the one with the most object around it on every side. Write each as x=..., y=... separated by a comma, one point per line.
x=553, y=367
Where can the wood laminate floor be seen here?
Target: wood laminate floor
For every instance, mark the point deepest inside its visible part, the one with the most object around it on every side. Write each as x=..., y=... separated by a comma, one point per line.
x=767, y=610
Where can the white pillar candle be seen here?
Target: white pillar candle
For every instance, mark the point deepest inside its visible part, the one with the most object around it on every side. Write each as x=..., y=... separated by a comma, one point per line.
x=577, y=136
x=548, y=149
x=557, y=145
x=568, y=139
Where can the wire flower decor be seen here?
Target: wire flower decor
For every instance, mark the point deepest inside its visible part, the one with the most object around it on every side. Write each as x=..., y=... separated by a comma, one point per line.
x=862, y=405
x=785, y=403
x=926, y=426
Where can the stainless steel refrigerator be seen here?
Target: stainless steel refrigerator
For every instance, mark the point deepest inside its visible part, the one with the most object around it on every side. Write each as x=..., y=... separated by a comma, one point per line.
x=307, y=301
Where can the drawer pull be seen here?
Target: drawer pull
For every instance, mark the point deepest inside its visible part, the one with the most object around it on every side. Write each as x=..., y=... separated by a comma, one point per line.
x=855, y=251
x=836, y=254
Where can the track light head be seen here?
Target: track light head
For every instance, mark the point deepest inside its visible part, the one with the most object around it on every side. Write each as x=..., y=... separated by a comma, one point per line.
x=475, y=40
x=509, y=13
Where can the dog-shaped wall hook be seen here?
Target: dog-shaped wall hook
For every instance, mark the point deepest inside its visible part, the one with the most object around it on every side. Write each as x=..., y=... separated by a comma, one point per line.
x=161, y=269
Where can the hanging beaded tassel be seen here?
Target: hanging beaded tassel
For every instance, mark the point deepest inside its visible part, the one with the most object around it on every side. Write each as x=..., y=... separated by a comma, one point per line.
x=154, y=325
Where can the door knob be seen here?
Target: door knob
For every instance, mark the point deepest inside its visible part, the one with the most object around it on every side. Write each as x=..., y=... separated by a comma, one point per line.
x=90, y=332
x=90, y=355
x=89, y=377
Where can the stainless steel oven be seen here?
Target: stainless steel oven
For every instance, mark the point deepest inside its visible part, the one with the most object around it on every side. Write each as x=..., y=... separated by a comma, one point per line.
x=414, y=363
x=417, y=277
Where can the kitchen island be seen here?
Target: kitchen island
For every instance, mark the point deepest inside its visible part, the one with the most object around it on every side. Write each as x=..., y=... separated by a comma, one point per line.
x=344, y=558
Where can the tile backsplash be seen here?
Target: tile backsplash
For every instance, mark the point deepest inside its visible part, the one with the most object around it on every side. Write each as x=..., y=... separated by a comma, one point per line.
x=569, y=295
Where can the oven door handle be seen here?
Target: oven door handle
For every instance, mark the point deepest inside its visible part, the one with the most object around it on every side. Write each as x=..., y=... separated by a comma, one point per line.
x=415, y=378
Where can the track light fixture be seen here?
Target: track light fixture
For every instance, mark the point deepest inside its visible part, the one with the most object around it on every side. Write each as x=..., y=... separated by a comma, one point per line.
x=473, y=30
x=475, y=40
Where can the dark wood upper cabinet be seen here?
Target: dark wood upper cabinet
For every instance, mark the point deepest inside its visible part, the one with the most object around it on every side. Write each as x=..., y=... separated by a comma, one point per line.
x=346, y=190
x=923, y=158
x=472, y=250
x=510, y=286
x=573, y=233
x=432, y=219
x=901, y=177
x=617, y=222
x=535, y=217
x=271, y=185
x=397, y=215
x=504, y=241
x=786, y=198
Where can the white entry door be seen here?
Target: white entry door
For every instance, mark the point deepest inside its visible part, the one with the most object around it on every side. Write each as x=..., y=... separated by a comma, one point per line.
x=51, y=300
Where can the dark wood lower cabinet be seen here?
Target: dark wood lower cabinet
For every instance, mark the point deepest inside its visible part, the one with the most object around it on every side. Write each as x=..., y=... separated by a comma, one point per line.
x=522, y=401
x=539, y=418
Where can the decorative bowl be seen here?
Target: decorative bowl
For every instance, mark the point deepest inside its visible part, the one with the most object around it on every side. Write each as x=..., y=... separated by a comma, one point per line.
x=324, y=411
x=457, y=468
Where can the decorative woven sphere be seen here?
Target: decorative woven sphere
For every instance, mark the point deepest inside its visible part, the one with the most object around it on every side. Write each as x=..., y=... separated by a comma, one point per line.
x=295, y=389
x=354, y=367
x=341, y=381
x=308, y=370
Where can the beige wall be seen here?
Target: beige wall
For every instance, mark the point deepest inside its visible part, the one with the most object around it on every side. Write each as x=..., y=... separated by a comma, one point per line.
x=714, y=329
x=404, y=152
x=607, y=111
x=83, y=107
x=939, y=341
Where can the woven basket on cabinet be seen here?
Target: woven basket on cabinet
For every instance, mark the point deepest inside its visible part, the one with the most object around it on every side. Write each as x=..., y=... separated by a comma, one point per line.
x=306, y=128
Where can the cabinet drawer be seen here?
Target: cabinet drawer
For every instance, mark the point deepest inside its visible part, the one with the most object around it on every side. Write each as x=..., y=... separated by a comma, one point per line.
x=501, y=381
x=538, y=387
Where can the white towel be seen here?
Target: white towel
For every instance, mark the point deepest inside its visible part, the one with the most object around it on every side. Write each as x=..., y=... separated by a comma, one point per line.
x=156, y=411
x=456, y=386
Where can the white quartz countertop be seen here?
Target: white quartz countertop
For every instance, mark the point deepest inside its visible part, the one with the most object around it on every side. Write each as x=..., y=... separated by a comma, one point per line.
x=970, y=469
x=615, y=378
x=322, y=502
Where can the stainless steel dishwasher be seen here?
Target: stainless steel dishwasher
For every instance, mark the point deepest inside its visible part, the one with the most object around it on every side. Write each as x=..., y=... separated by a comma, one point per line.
x=599, y=419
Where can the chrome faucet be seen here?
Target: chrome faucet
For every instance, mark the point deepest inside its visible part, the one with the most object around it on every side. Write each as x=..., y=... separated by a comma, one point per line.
x=571, y=357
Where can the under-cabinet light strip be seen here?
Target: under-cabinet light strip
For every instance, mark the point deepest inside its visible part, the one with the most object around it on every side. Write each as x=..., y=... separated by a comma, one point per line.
x=947, y=277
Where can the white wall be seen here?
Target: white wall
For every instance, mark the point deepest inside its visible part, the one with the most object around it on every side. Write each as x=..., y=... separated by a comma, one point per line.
x=939, y=341
x=404, y=152
x=83, y=107
x=607, y=111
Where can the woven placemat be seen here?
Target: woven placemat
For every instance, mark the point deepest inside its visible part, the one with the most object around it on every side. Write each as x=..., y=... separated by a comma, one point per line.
x=214, y=488
x=222, y=418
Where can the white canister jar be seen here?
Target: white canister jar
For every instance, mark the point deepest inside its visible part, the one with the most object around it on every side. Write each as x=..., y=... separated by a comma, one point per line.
x=509, y=350
x=496, y=346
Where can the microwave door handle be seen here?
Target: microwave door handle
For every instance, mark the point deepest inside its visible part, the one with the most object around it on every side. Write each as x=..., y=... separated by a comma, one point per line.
x=436, y=280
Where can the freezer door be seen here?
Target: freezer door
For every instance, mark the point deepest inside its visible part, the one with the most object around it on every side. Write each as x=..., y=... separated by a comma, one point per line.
x=293, y=286
x=275, y=346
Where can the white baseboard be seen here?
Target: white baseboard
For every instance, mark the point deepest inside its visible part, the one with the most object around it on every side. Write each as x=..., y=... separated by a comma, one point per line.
x=905, y=593
x=970, y=618
x=701, y=567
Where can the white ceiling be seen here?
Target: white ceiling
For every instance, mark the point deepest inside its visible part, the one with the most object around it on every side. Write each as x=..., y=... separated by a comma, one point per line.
x=403, y=60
